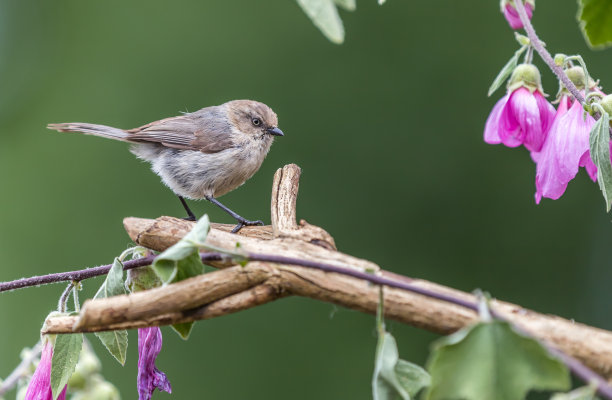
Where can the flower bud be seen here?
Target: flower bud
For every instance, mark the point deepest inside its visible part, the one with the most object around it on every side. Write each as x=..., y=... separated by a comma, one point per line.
x=526, y=75
x=508, y=8
x=102, y=390
x=560, y=59
x=21, y=393
x=576, y=75
x=142, y=278
x=606, y=103
x=88, y=363
x=77, y=381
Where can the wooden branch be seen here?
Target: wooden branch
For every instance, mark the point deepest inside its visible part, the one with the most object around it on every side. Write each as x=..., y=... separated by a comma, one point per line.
x=252, y=297
x=261, y=282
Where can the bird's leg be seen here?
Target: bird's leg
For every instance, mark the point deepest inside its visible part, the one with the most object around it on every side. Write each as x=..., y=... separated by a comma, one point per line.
x=191, y=216
x=241, y=221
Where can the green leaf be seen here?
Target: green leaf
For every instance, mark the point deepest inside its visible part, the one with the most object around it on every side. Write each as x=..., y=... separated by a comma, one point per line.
x=183, y=329
x=600, y=154
x=395, y=378
x=583, y=393
x=166, y=265
x=349, y=5
x=116, y=342
x=595, y=18
x=65, y=357
x=324, y=15
x=182, y=261
x=506, y=71
x=492, y=361
x=188, y=267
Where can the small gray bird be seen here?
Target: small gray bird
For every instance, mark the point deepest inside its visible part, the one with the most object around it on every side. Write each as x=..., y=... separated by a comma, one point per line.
x=200, y=155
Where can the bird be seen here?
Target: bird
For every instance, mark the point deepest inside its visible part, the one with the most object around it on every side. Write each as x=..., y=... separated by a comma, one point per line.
x=203, y=154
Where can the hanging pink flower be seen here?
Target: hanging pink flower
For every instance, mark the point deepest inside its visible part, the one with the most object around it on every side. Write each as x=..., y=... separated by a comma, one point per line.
x=39, y=387
x=565, y=150
x=512, y=16
x=523, y=116
x=149, y=377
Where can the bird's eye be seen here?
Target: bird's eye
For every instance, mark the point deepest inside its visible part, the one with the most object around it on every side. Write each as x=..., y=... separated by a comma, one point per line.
x=256, y=121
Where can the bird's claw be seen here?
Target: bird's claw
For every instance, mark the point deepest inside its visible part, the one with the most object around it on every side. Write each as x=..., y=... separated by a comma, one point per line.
x=190, y=218
x=245, y=222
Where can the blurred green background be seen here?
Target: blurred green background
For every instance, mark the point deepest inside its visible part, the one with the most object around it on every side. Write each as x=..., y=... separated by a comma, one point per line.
x=387, y=129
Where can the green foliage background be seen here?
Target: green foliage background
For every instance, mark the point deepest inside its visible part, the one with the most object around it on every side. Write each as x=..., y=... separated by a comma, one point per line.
x=388, y=131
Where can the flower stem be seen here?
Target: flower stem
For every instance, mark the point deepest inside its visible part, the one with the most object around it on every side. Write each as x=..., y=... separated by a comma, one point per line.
x=75, y=295
x=537, y=45
x=21, y=370
x=61, y=307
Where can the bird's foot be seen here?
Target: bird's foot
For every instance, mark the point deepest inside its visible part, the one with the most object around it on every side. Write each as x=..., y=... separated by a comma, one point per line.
x=190, y=218
x=245, y=222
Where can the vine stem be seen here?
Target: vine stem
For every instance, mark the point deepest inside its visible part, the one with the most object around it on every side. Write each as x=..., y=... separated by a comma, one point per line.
x=537, y=45
x=21, y=371
x=575, y=366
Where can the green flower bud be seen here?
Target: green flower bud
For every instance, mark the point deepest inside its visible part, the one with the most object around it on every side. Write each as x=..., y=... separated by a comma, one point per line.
x=21, y=392
x=77, y=381
x=102, y=390
x=526, y=75
x=142, y=278
x=606, y=103
x=576, y=75
x=88, y=364
x=560, y=59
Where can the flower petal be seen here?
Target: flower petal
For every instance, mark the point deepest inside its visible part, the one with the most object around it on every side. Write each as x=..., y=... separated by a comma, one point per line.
x=512, y=16
x=589, y=165
x=547, y=112
x=149, y=377
x=563, y=152
x=39, y=387
x=491, y=132
x=520, y=121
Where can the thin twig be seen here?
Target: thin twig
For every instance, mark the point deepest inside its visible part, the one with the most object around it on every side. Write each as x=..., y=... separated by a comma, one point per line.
x=71, y=275
x=20, y=371
x=537, y=45
x=64, y=297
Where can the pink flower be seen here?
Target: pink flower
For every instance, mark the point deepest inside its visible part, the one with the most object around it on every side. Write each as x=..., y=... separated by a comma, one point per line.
x=39, y=387
x=149, y=377
x=512, y=16
x=565, y=150
x=521, y=117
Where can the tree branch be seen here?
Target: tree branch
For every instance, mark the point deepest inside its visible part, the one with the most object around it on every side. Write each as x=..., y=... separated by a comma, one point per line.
x=274, y=276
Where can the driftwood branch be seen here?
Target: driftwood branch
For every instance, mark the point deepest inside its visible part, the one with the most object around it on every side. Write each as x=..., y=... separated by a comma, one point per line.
x=234, y=288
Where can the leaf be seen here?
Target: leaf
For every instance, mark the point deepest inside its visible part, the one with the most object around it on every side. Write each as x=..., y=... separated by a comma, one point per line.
x=65, y=357
x=188, y=267
x=182, y=261
x=116, y=342
x=599, y=141
x=492, y=361
x=395, y=378
x=324, y=15
x=506, y=71
x=349, y=5
x=595, y=18
x=583, y=393
x=166, y=265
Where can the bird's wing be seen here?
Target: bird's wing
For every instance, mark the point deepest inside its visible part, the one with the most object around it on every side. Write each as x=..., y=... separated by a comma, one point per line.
x=186, y=132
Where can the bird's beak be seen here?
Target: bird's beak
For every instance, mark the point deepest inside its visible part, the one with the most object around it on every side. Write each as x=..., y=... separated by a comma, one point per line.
x=275, y=131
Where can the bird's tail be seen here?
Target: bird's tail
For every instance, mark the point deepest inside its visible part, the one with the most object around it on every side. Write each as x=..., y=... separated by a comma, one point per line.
x=92, y=129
